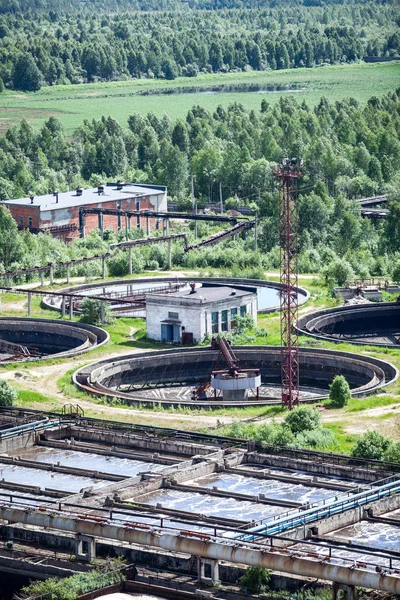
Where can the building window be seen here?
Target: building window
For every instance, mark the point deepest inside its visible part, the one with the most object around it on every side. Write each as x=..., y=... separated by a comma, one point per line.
x=214, y=322
x=137, y=204
x=224, y=320
x=233, y=317
x=173, y=315
x=21, y=221
x=29, y=221
x=243, y=310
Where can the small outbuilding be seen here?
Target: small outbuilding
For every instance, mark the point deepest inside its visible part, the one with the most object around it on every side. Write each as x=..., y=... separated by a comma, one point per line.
x=189, y=315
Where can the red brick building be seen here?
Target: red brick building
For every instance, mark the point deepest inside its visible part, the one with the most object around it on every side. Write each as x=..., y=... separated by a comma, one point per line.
x=59, y=213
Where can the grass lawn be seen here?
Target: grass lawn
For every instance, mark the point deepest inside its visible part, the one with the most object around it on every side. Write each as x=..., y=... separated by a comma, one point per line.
x=71, y=104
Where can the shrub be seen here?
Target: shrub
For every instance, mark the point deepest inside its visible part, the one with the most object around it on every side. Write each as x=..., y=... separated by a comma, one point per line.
x=119, y=264
x=317, y=438
x=256, y=579
x=241, y=323
x=302, y=419
x=8, y=394
x=392, y=454
x=396, y=272
x=72, y=587
x=339, y=391
x=339, y=271
x=91, y=312
x=371, y=445
x=270, y=433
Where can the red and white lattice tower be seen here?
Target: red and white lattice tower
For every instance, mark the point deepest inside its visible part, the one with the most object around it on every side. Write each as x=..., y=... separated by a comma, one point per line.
x=288, y=174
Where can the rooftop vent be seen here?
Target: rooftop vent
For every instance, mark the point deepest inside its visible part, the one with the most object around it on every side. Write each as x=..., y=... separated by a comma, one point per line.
x=120, y=185
x=100, y=189
x=55, y=194
x=192, y=287
x=79, y=191
x=32, y=199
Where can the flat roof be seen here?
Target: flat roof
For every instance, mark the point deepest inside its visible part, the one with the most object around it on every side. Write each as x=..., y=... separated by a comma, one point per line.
x=205, y=294
x=88, y=196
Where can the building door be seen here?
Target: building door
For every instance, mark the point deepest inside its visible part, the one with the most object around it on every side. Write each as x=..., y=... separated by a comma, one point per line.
x=170, y=333
x=176, y=333
x=167, y=332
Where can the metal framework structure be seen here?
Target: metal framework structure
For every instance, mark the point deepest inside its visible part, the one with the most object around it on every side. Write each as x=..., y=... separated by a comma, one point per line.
x=288, y=174
x=223, y=235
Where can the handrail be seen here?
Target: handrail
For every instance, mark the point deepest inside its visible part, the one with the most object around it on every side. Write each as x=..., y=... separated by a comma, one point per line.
x=18, y=429
x=316, y=513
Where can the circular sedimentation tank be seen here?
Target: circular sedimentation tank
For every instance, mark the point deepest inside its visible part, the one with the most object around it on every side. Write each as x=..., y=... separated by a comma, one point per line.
x=374, y=324
x=168, y=377
x=32, y=339
x=268, y=292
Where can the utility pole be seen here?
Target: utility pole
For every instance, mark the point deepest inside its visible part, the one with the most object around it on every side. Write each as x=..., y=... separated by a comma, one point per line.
x=221, y=202
x=288, y=174
x=194, y=206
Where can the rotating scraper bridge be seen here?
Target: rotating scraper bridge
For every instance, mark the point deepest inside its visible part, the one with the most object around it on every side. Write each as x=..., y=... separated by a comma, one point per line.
x=167, y=496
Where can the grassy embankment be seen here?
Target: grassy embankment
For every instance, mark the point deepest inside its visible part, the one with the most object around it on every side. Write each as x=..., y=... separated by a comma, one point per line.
x=71, y=104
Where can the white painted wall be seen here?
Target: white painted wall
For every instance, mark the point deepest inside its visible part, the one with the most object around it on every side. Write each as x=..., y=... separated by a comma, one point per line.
x=197, y=318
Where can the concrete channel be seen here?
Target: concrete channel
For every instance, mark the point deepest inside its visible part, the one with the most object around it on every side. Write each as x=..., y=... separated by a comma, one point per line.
x=184, y=501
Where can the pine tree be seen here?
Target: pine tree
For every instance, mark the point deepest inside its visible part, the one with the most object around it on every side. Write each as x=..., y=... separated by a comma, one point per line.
x=27, y=76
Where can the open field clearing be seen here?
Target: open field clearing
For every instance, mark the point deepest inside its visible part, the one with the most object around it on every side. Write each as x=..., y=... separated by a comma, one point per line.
x=71, y=104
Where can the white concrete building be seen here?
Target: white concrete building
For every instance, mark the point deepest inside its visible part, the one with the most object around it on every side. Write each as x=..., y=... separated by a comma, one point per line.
x=188, y=316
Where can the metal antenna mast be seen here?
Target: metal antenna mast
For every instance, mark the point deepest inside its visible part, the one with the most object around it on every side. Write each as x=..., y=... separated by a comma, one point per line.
x=288, y=173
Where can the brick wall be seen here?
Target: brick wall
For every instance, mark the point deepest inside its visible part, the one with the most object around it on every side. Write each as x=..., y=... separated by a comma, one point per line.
x=67, y=219
x=22, y=214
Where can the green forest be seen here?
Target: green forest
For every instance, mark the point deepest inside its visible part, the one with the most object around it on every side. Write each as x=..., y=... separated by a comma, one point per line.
x=349, y=152
x=53, y=43
x=350, y=149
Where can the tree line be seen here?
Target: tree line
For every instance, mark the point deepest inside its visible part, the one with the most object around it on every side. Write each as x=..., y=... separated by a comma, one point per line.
x=57, y=47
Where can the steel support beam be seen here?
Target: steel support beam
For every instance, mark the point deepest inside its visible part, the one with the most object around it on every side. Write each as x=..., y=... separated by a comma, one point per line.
x=288, y=174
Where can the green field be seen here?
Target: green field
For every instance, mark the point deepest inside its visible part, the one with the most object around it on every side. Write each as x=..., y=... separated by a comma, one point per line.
x=73, y=103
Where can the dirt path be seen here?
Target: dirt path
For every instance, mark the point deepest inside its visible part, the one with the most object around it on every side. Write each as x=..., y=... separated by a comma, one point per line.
x=44, y=379
x=10, y=306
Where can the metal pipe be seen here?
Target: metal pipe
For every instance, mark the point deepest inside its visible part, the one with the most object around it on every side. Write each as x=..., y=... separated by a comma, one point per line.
x=327, y=510
x=283, y=562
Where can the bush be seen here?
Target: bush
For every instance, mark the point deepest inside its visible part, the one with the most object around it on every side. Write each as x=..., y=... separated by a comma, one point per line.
x=72, y=587
x=302, y=419
x=118, y=266
x=256, y=579
x=396, y=272
x=270, y=433
x=241, y=323
x=339, y=271
x=8, y=394
x=371, y=445
x=91, y=312
x=392, y=454
x=339, y=391
x=317, y=438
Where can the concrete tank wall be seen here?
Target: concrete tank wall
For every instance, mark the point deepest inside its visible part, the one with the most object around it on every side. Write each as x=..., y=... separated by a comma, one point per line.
x=59, y=338
x=193, y=365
